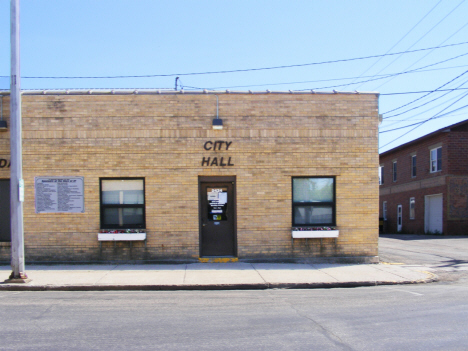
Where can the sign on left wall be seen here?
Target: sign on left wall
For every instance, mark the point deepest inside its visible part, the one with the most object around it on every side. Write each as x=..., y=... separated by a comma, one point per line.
x=59, y=194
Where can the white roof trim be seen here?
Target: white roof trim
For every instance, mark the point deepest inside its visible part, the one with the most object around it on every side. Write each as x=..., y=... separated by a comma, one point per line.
x=169, y=92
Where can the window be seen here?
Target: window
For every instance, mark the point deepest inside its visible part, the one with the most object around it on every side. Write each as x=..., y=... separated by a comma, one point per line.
x=381, y=175
x=413, y=166
x=394, y=171
x=123, y=203
x=313, y=201
x=412, y=204
x=436, y=160
x=384, y=210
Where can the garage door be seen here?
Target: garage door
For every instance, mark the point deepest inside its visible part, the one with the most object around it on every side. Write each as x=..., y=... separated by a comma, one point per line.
x=433, y=215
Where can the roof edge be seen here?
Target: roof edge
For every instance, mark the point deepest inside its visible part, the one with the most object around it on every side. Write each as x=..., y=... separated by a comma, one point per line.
x=174, y=92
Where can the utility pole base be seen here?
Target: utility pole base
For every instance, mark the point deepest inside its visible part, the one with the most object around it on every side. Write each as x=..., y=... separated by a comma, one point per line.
x=21, y=279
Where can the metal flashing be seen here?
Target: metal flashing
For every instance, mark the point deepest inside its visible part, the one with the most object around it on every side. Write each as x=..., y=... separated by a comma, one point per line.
x=172, y=92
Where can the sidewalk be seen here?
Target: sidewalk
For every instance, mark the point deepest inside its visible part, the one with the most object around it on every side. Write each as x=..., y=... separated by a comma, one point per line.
x=212, y=276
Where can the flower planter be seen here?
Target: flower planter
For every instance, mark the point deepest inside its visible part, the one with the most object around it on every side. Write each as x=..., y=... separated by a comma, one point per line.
x=307, y=234
x=121, y=236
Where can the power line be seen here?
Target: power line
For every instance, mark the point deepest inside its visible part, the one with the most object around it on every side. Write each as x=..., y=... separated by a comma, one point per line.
x=421, y=97
x=418, y=70
x=433, y=117
x=423, y=91
x=466, y=24
x=396, y=74
x=420, y=40
x=424, y=121
x=247, y=69
x=423, y=112
x=403, y=37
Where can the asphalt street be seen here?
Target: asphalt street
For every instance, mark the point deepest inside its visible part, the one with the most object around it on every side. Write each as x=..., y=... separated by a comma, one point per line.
x=443, y=255
x=408, y=317
x=388, y=317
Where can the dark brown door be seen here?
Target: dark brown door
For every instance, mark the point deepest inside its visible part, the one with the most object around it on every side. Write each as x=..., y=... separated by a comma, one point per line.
x=5, y=210
x=217, y=219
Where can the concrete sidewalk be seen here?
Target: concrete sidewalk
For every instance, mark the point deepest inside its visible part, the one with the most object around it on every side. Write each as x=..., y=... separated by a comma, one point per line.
x=212, y=276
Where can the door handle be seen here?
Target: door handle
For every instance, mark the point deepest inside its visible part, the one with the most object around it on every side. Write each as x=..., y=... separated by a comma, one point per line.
x=204, y=224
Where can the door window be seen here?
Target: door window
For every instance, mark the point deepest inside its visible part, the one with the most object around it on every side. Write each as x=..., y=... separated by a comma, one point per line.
x=399, y=218
x=217, y=203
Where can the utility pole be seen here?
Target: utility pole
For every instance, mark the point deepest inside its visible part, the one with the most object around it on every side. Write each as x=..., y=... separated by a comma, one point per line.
x=18, y=274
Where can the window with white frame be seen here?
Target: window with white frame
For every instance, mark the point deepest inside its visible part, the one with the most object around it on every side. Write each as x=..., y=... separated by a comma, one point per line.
x=394, y=171
x=384, y=210
x=413, y=166
x=313, y=201
x=412, y=205
x=381, y=175
x=436, y=159
x=122, y=203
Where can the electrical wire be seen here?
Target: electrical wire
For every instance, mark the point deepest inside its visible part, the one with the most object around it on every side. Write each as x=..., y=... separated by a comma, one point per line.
x=423, y=112
x=247, y=69
x=421, y=97
x=418, y=70
x=433, y=117
x=425, y=120
x=430, y=52
x=417, y=41
x=396, y=74
x=403, y=37
x=422, y=92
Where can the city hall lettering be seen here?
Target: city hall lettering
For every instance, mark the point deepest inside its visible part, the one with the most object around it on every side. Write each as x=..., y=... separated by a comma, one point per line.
x=218, y=145
x=4, y=163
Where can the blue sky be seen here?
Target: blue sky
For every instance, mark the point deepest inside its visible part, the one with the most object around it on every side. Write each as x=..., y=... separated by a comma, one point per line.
x=71, y=38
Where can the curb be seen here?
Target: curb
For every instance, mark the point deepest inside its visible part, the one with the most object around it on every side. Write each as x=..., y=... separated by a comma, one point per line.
x=263, y=286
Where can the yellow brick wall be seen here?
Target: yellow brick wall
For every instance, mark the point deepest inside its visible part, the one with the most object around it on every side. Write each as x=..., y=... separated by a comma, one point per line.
x=160, y=137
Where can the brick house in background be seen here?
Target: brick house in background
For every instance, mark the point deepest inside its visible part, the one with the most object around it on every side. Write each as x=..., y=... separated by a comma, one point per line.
x=424, y=183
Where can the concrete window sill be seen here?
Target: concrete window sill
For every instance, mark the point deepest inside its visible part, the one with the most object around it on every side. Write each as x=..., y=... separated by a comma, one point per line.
x=310, y=234
x=121, y=236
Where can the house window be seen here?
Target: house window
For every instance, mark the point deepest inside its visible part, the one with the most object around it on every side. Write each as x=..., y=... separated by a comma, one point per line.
x=436, y=160
x=413, y=166
x=384, y=210
x=412, y=205
x=313, y=201
x=122, y=203
x=394, y=171
x=381, y=175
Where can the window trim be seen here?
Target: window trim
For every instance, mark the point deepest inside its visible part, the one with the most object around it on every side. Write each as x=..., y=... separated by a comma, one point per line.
x=438, y=161
x=103, y=206
x=332, y=204
x=413, y=166
x=394, y=170
x=412, y=210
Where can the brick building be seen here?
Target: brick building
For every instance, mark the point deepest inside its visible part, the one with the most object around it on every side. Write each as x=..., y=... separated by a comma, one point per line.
x=119, y=175
x=424, y=183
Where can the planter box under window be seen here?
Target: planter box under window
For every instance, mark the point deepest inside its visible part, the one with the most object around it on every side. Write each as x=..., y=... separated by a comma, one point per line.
x=310, y=234
x=121, y=236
